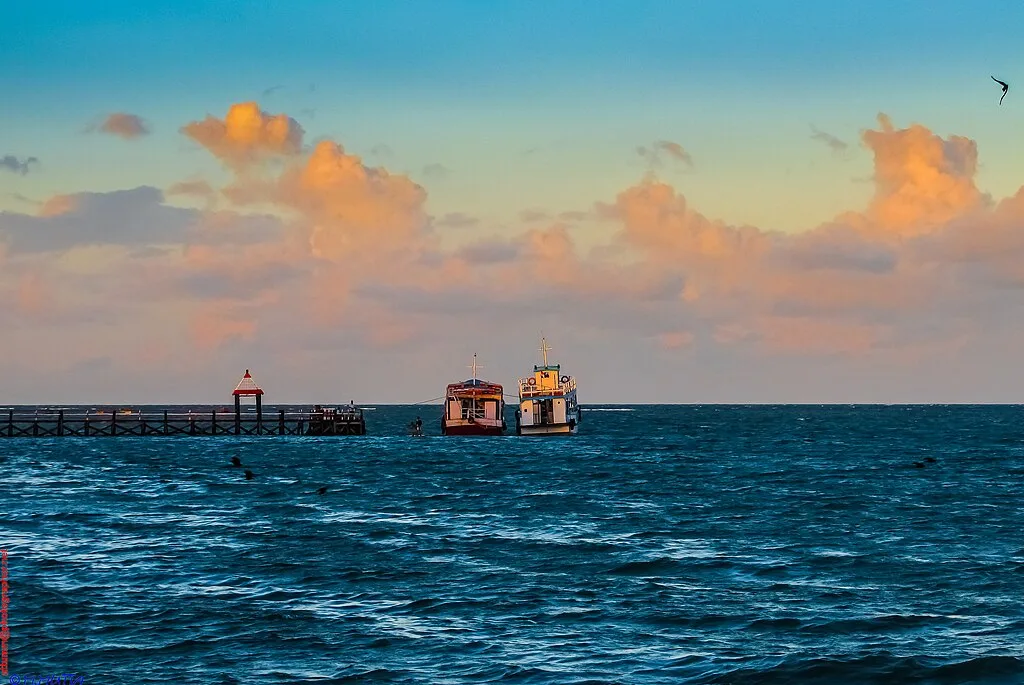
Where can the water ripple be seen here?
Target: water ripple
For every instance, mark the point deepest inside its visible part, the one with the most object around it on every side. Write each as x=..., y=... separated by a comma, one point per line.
x=661, y=545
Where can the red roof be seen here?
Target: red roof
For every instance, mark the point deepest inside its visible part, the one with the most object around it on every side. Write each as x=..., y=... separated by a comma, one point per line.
x=247, y=386
x=474, y=387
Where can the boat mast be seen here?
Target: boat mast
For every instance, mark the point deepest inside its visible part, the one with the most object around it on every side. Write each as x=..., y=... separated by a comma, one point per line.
x=544, y=349
x=474, y=367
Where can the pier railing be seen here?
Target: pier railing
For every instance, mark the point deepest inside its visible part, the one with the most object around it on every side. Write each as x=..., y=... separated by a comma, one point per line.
x=41, y=424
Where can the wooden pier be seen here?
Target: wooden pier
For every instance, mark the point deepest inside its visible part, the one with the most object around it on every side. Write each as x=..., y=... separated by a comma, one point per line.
x=58, y=424
x=215, y=423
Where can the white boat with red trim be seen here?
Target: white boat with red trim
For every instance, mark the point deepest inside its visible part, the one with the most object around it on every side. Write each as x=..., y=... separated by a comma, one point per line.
x=474, y=407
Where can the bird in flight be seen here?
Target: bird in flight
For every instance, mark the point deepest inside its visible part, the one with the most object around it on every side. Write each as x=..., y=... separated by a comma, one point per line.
x=1005, y=88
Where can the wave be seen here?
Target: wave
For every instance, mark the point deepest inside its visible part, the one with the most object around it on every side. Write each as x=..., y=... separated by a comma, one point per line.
x=683, y=544
x=883, y=669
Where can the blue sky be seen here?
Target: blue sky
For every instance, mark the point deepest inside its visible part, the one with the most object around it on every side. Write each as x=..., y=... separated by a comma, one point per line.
x=473, y=85
x=496, y=107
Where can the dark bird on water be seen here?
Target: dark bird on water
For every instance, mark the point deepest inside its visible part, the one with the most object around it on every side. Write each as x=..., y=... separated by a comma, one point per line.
x=235, y=461
x=930, y=460
x=248, y=474
x=1005, y=88
x=917, y=464
x=322, y=491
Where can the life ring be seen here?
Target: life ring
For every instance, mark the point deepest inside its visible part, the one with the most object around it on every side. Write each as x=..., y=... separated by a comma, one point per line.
x=564, y=379
x=531, y=381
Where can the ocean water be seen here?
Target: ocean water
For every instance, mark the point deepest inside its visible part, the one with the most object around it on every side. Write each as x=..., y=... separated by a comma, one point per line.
x=662, y=544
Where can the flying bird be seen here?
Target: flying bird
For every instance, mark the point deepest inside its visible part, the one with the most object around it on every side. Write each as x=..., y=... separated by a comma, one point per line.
x=1005, y=88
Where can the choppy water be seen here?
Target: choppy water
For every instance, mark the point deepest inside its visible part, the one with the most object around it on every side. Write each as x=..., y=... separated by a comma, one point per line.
x=660, y=545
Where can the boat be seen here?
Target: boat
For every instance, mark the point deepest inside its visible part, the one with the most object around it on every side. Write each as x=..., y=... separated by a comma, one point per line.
x=547, y=400
x=474, y=407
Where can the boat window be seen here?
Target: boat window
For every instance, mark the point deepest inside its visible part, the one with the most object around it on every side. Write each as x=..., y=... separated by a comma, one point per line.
x=471, y=411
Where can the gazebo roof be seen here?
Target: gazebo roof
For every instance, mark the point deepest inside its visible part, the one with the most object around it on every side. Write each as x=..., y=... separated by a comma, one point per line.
x=247, y=386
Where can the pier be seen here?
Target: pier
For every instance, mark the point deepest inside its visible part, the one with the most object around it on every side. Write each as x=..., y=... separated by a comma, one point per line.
x=60, y=424
x=348, y=420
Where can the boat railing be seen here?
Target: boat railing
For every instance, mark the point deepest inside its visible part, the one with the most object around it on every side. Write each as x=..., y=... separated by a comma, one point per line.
x=494, y=391
x=527, y=390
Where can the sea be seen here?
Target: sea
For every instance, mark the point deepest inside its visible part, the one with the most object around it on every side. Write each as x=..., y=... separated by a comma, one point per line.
x=661, y=544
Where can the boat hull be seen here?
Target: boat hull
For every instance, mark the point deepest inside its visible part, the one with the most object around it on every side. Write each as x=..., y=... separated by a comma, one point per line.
x=472, y=429
x=548, y=416
x=548, y=429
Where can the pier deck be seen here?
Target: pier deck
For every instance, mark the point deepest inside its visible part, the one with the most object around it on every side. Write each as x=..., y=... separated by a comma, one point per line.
x=55, y=424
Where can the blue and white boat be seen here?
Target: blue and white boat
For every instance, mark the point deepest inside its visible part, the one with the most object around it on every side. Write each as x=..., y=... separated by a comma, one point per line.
x=547, y=400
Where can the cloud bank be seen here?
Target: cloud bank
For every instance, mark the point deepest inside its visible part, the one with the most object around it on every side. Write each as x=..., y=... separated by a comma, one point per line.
x=310, y=256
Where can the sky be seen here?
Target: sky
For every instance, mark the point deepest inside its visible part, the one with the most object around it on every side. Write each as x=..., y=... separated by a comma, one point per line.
x=700, y=202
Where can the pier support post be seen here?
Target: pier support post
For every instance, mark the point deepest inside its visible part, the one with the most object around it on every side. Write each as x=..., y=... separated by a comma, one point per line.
x=60, y=422
x=113, y=423
x=10, y=424
x=238, y=414
x=213, y=426
x=259, y=415
x=165, y=422
x=280, y=423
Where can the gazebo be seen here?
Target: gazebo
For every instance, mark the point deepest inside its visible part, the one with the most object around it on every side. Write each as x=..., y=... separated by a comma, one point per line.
x=247, y=387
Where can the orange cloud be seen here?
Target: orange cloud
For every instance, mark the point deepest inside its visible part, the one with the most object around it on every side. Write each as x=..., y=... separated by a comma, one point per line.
x=352, y=206
x=345, y=205
x=348, y=222
x=806, y=335
x=344, y=248
x=58, y=204
x=246, y=135
x=921, y=180
x=655, y=217
x=35, y=295
x=676, y=340
x=211, y=328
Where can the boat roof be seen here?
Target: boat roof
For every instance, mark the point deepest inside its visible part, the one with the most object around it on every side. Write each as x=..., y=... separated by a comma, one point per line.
x=475, y=383
x=547, y=367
